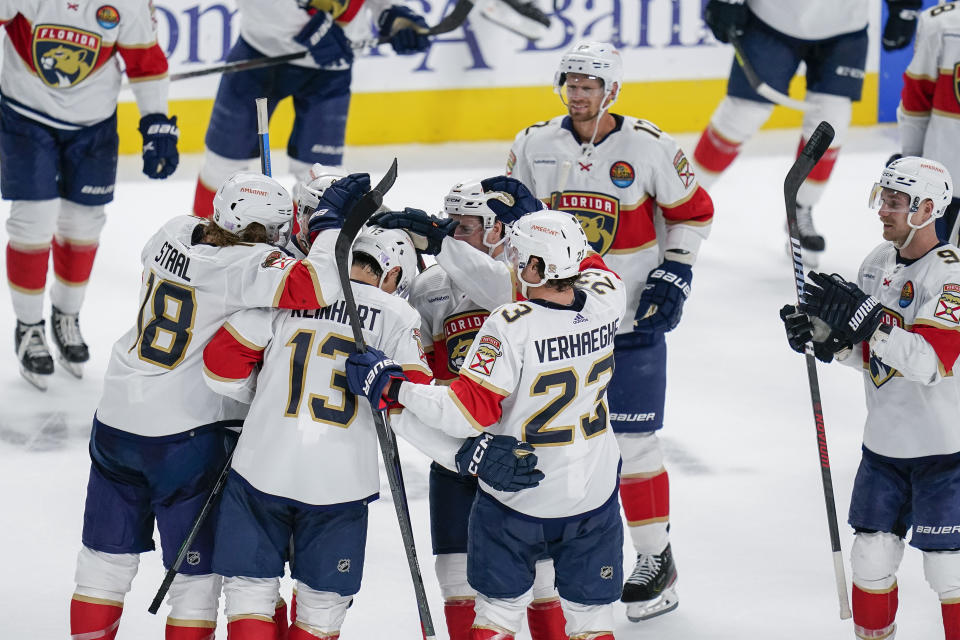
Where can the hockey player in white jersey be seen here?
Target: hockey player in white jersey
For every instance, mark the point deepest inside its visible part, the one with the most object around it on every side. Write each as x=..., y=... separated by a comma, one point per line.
x=830, y=38
x=537, y=370
x=159, y=435
x=899, y=324
x=929, y=104
x=306, y=463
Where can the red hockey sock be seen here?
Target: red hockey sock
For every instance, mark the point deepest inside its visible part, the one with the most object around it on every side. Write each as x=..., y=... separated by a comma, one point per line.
x=293, y=607
x=822, y=170
x=459, y=613
x=190, y=629
x=645, y=500
x=951, y=619
x=72, y=263
x=714, y=152
x=203, y=200
x=94, y=618
x=280, y=619
x=486, y=633
x=299, y=632
x=874, y=612
x=251, y=628
x=27, y=268
x=546, y=620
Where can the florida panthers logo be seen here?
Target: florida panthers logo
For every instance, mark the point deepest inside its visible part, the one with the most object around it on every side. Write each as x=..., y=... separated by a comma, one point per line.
x=459, y=331
x=598, y=213
x=64, y=56
x=880, y=373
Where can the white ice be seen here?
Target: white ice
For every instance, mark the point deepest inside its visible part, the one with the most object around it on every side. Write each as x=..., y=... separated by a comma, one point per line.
x=748, y=522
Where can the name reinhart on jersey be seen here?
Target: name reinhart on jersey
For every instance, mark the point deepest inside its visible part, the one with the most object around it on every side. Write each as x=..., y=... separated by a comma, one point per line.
x=574, y=345
x=337, y=312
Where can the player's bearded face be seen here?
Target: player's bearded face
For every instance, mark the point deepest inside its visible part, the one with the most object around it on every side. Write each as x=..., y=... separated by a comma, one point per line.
x=583, y=96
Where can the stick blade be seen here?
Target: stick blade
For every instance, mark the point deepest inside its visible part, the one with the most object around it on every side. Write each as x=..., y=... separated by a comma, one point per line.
x=454, y=19
x=809, y=156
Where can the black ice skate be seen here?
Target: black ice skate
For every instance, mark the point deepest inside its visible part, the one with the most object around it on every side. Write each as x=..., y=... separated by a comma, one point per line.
x=35, y=362
x=72, y=350
x=651, y=590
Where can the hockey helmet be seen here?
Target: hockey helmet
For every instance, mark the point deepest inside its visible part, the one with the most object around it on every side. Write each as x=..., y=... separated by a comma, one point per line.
x=469, y=199
x=920, y=179
x=598, y=59
x=246, y=197
x=307, y=195
x=553, y=236
x=389, y=248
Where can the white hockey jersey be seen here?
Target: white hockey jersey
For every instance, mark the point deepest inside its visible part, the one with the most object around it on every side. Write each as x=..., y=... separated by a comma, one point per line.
x=929, y=111
x=812, y=19
x=306, y=437
x=539, y=372
x=635, y=172
x=911, y=390
x=61, y=65
x=153, y=385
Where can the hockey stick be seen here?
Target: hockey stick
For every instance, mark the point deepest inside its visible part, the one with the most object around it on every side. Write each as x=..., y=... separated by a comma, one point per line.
x=388, y=442
x=263, y=135
x=759, y=85
x=815, y=148
x=450, y=22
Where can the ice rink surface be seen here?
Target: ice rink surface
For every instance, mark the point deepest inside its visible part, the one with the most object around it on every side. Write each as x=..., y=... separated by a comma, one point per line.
x=748, y=526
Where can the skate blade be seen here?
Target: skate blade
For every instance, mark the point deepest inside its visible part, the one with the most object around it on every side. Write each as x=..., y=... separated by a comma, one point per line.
x=664, y=603
x=36, y=379
x=73, y=368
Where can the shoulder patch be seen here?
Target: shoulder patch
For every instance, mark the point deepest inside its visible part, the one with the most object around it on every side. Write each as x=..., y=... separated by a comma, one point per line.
x=511, y=163
x=684, y=169
x=485, y=358
x=948, y=306
x=277, y=260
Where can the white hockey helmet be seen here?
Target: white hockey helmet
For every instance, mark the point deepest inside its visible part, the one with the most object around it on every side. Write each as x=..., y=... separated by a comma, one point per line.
x=246, y=197
x=307, y=195
x=918, y=179
x=553, y=236
x=598, y=59
x=468, y=199
x=389, y=248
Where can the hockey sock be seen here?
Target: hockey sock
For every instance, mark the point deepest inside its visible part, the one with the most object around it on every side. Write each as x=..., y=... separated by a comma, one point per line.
x=714, y=153
x=293, y=607
x=299, y=631
x=280, y=619
x=874, y=612
x=646, y=499
x=951, y=619
x=459, y=614
x=486, y=633
x=27, y=276
x=203, y=200
x=72, y=264
x=251, y=628
x=94, y=618
x=190, y=629
x=546, y=620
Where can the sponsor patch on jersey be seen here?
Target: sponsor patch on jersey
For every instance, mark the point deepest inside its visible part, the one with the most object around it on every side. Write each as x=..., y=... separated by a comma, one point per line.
x=684, y=169
x=107, y=16
x=484, y=359
x=622, y=174
x=490, y=340
x=598, y=213
x=511, y=163
x=278, y=260
x=906, y=294
x=948, y=307
x=64, y=56
x=459, y=331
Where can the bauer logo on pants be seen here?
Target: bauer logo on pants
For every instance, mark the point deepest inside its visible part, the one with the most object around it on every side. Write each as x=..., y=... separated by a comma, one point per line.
x=64, y=56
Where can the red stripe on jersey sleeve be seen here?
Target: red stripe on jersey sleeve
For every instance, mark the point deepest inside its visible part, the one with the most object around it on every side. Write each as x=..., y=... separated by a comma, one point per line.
x=945, y=342
x=226, y=357
x=143, y=62
x=417, y=376
x=352, y=10
x=917, y=93
x=635, y=227
x=105, y=54
x=594, y=261
x=944, y=96
x=299, y=291
x=437, y=359
x=20, y=32
x=697, y=208
x=481, y=403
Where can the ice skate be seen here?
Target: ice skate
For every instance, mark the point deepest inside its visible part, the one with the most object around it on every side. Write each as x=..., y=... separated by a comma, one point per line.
x=651, y=590
x=811, y=242
x=72, y=351
x=36, y=364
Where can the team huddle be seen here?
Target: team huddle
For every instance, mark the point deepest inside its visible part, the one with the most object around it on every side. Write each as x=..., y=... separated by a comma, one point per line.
x=517, y=339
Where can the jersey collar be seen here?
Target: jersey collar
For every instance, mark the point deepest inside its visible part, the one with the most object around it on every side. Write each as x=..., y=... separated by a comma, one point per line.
x=567, y=124
x=579, y=299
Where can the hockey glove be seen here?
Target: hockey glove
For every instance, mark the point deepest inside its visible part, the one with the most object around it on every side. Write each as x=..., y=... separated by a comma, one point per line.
x=503, y=462
x=801, y=329
x=326, y=42
x=160, y=155
x=661, y=302
x=337, y=201
x=427, y=231
x=901, y=23
x=524, y=202
x=893, y=158
x=406, y=29
x=723, y=15
x=374, y=375
x=842, y=305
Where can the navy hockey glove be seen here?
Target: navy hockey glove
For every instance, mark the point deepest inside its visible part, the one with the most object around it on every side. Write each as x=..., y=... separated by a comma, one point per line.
x=801, y=329
x=406, y=29
x=160, y=155
x=661, y=302
x=374, y=375
x=524, y=202
x=842, y=305
x=503, y=462
x=901, y=23
x=893, y=158
x=723, y=15
x=419, y=224
x=337, y=201
x=326, y=42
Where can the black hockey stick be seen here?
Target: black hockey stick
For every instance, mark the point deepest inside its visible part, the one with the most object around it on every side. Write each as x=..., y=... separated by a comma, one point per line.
x=815, y=148
x=388, y=442
x=758, y=85
x=182, y=553
x=449, y=22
